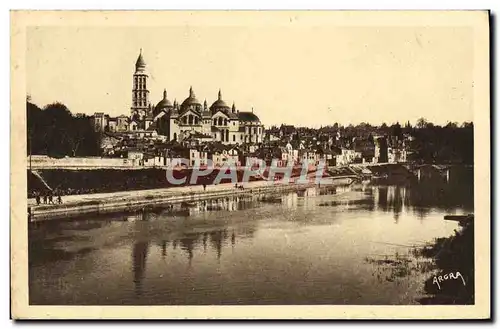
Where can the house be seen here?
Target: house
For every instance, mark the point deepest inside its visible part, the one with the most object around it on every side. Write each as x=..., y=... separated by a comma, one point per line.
x=347, y=156
x=122, y=123
x=108, y=143
x=198, y=156
x=148, y=160
x=194, y=138
x=233, y=154
x=366, y=147
x=396, y=155
x=308, y=156
x=148, y=121
x=100, y=121
x=134, y=125
x=112, y=124
x=286, y=130
x=221, y=155
x=288, y=154
x=135, y=156
x=327, y=155
x=251, y=160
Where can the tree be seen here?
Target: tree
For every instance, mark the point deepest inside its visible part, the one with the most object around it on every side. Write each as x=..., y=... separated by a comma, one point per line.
x=84, y=140
x=33, y=118
x=58, y=125
x=370, y=138
x=422, y=123
x=55, y=132
x=396, y=130
x=452, y=125
x=467, y=125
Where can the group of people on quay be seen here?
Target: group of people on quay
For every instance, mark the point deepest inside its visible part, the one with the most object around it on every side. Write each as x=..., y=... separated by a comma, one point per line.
x=48, y=198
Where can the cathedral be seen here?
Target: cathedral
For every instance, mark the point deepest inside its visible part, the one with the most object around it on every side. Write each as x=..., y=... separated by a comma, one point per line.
x=189, y=120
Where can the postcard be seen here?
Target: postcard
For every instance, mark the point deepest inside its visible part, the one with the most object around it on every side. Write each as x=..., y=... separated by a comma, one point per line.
x=250, y=165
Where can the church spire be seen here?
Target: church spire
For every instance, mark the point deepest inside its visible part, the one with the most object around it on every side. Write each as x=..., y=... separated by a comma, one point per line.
x=140, y=92
x=140, y=63
x=191, y=92
x=165, y=93
x=220, y=94
x=233, y=108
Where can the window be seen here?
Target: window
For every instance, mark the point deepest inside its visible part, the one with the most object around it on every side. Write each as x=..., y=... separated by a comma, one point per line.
x=234, y=138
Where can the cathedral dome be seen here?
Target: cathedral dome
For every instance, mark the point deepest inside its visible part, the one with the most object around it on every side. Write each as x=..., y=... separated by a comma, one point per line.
x=219, y=104
x=163, y=104
x=248, y=117
x=191, y=101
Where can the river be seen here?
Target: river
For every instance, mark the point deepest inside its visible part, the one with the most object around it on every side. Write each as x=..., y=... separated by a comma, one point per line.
x=308, y=247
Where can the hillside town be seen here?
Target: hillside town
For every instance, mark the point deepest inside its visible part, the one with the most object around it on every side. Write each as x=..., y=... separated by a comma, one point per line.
x=192, y=134
x=159, y=135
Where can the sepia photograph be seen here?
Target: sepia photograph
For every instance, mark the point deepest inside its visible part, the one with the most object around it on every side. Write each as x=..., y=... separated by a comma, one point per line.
x=250, y=164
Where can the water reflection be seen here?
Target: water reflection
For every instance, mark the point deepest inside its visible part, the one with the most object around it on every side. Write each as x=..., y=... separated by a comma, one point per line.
x=188, y=243
x=139, y=257
x=239, y=249
x=419, y=198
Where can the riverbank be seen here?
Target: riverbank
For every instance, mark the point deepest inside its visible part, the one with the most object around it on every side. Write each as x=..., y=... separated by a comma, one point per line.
x=445, y=266
x=101, y=203
x=453, y=282
x=93, y=181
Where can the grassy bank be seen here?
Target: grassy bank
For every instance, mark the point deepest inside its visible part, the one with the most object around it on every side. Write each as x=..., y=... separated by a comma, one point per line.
x=451, y=255
x=440, y=265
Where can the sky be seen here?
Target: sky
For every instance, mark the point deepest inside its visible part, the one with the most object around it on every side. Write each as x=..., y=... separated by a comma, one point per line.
x=305, y=75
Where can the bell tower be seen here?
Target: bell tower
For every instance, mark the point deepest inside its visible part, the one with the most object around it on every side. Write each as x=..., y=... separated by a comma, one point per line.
x=140, y=92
